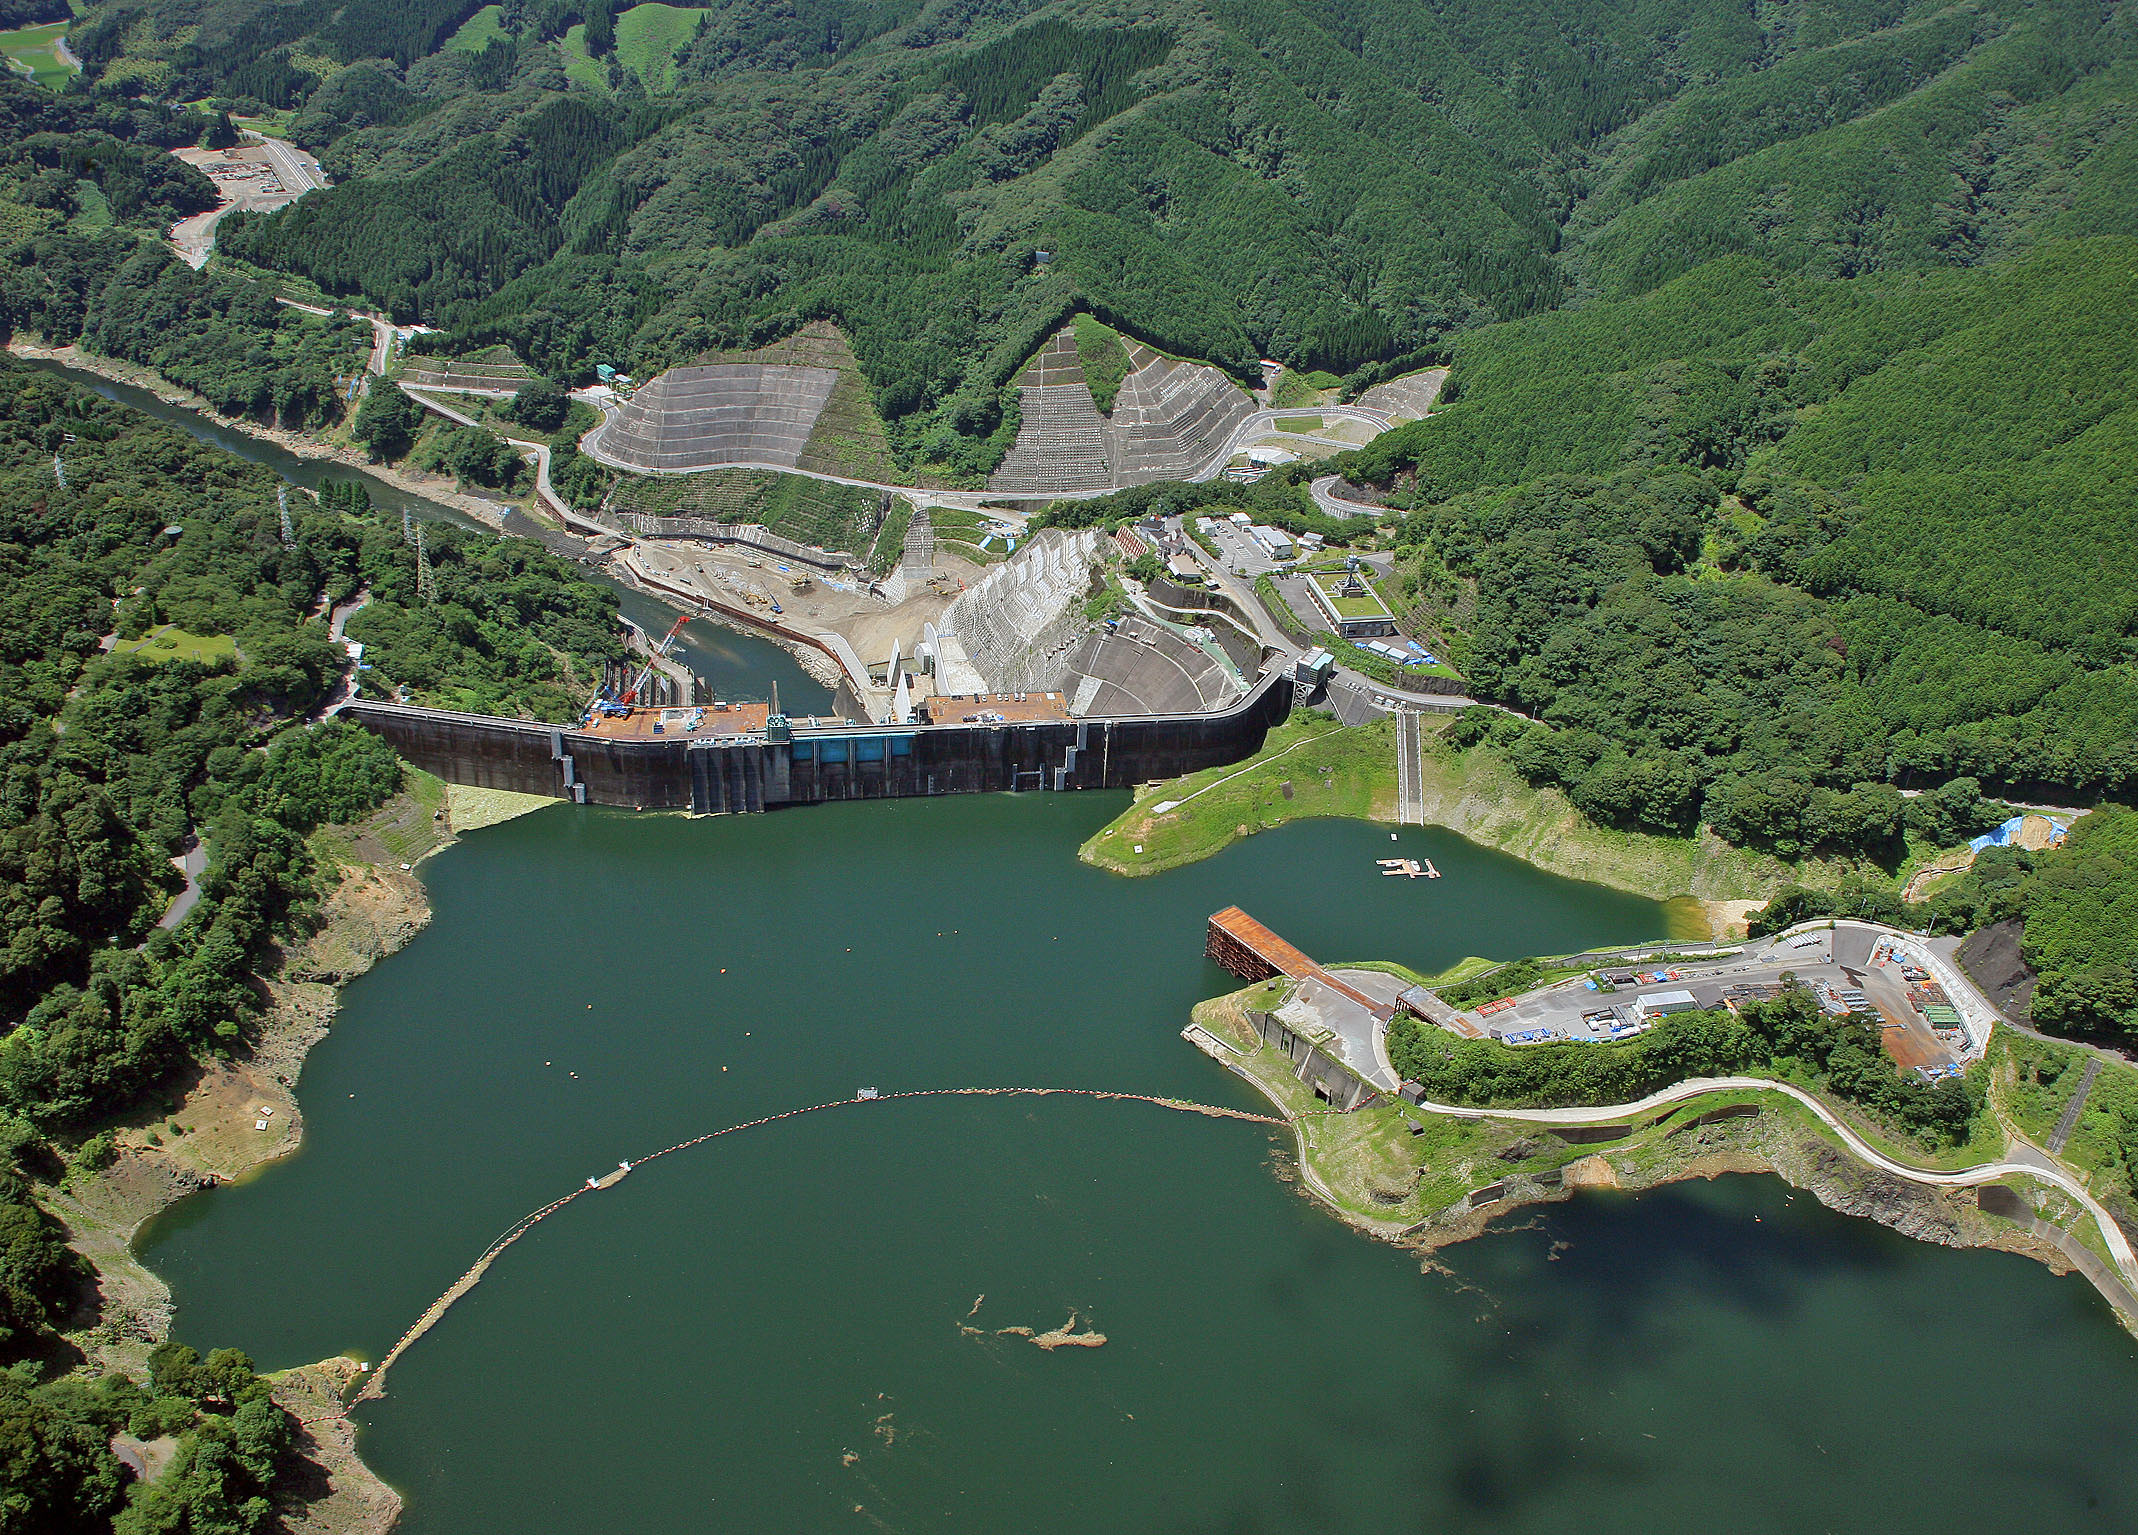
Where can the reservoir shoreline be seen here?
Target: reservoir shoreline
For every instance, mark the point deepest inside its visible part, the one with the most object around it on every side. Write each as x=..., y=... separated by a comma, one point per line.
x=1733, y=1128
x=1711, y=1159
x=370, y=915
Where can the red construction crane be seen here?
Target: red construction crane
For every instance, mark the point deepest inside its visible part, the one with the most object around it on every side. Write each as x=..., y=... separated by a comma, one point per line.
x=667, y=640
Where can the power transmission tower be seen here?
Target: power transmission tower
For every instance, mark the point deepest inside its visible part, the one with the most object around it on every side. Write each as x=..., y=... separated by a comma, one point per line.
x=289, y=531
x=426, y=580
x=59, y=471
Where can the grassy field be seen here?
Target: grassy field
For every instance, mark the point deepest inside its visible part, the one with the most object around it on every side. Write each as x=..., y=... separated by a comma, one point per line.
x=168, y=642
x=647, y=37
x=1300, y=424
x=959, y=532
x=401, y=831
x=1296, y=390
x=819, y=512
x=890, y=541
x=479, y=31
x=471, y=809
x=1365, y=605
x=581, y=67
x=1391, y=1166
x=1103, y=359
x=274, y=125
x=1328, y=769
x=2034, y=1080
x=34, y=51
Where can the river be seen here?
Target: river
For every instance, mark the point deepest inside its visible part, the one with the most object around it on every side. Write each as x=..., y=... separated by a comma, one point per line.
x=770, y=1332
x=737, y=665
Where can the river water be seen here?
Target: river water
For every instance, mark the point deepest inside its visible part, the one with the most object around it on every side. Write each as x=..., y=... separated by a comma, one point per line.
x=738, y=666
x=769, y=1332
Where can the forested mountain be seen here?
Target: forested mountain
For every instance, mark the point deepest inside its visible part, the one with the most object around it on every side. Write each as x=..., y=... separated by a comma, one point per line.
x=1755, y=546
x=1343, y=185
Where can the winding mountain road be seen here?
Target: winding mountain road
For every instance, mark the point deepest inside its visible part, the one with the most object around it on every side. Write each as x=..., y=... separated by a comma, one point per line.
x=2118, y=1244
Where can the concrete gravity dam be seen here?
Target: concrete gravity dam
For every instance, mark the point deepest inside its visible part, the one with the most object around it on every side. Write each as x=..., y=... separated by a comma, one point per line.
x=1015, y=688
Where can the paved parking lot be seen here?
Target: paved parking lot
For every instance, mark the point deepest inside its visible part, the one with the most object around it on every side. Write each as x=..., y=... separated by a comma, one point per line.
x=1575, y=1011
x=1239, y=551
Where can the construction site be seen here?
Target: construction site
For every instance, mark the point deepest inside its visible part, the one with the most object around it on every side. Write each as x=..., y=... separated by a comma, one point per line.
x=256, y=177
x=746, y=500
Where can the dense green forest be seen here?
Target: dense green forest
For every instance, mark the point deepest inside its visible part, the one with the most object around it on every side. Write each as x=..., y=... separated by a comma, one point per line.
x=1351, y=185
x=87, y=189
x=1753, y=548
x=113, y=762
x=2078, y=907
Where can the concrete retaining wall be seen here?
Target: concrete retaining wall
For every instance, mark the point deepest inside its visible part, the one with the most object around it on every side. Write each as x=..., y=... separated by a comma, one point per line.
x=834, y=763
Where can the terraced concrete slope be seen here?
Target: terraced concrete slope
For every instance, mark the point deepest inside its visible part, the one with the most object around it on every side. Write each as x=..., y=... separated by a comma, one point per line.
x=1173, y=417
x=799, y=403
x=715, y=413
x=1409, y=398
x=1170, y=420
x=1140, y=667
x=1062, y=442
x=491, y=371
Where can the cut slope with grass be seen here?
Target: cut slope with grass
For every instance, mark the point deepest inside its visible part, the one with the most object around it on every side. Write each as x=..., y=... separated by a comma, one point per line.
x=1351, y=771
x=1104, y=360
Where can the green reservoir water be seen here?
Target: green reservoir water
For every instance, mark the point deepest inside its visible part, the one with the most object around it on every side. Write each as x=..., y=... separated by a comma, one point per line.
x=764, y=1333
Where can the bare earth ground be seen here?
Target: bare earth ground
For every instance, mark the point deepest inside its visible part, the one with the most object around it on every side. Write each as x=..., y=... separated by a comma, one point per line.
x=867, y=623
x=210, y=1132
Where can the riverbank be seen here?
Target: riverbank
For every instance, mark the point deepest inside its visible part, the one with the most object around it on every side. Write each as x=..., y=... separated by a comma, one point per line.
x=432, y=487
x=1425, y=1180
x=234, y=1117
x=819, y=667
x=1311, y=766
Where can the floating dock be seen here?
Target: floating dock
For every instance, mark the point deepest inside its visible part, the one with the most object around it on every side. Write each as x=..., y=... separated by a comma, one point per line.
x=1408, y=868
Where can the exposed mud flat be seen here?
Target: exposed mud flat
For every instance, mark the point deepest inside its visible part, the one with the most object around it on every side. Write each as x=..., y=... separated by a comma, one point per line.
x=212, y=1133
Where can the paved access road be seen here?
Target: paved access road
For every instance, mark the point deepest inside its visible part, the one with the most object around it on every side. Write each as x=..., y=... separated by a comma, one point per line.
x=2119, y=1246
x=1324, y=492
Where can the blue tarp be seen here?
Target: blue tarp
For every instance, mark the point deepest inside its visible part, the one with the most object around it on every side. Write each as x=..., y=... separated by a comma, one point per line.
x=2001, y=837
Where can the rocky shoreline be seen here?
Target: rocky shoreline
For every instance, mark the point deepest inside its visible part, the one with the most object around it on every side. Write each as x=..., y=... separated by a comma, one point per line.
x=372, y=913
x=1774, y=1144
x=1748, y=1133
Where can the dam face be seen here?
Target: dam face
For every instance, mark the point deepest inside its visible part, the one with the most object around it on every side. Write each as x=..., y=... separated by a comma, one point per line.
x=816, y=764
